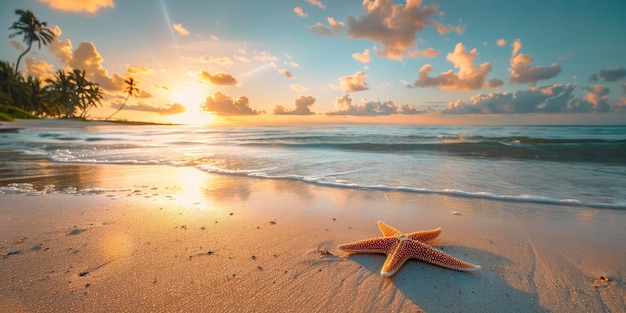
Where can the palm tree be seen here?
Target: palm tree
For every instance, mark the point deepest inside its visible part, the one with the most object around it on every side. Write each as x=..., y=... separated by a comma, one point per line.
x=32, y=30
x=64, y=91
x=13, y=85
x=130, y=90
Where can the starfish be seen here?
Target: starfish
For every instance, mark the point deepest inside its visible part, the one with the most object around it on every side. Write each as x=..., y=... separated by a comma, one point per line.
x=400, y=247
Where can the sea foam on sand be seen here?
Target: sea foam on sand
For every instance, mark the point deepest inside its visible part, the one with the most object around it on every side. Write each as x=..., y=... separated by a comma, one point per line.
x=166, y=239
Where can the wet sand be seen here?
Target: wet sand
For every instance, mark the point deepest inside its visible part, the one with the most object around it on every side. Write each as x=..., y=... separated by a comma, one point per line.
x=167, y=239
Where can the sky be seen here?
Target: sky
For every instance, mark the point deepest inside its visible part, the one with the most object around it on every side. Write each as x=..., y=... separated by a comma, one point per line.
x=349, y=61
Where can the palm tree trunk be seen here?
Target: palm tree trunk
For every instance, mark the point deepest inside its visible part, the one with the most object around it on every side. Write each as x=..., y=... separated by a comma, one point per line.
x=120, y=108
x=17, y=65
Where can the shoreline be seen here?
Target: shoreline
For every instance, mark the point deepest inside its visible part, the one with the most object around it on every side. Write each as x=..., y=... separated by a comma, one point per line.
x=158, y=238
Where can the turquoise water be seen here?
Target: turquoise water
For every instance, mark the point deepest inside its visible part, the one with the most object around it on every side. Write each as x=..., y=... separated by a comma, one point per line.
x=574, y=165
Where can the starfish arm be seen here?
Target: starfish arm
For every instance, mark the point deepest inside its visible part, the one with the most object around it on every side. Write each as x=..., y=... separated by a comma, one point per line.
x=426, y=253
x=387, y=230
x=375, y=245
x=425, y=235
x=396, y=259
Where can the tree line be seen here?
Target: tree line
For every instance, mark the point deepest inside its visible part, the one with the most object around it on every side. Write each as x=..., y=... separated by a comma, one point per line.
x=67, y=94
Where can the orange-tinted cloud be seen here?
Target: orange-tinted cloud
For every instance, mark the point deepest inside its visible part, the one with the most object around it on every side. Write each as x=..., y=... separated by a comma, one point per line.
x=180, y=29
x=40, y=69
x=522, y=71
x=79, y=6
x=317, y=3
x=219, y=78
x=334, y=28
x=286, y=73
x=362, y=57
x=352, y=83
x=62, y=50
x=300, y=12
x=86, y=57
x=394, y=26
x=344, y=106
x=469, y=76
x=222, y=104
x=174, y=108
x=501, y=42
x=298, y=87
x=302, y=107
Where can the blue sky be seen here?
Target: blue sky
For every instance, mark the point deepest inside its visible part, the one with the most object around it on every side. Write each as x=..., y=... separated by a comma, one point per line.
x=501, y=62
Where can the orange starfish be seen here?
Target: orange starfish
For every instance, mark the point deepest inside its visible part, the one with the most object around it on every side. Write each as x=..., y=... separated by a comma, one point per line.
x=400, y=247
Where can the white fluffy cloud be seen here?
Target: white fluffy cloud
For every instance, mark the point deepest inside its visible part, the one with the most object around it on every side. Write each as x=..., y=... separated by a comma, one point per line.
x=79, y=6
x=394, y=26
x=302, y=107
x=352, y=83
x=468, y=77
x=222, y=104
x=522, y=71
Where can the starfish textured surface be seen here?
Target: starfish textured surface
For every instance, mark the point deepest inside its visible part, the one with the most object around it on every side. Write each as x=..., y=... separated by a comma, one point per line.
x=400, y=247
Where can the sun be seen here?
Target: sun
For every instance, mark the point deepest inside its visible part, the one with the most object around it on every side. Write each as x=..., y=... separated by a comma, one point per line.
x=191, y=95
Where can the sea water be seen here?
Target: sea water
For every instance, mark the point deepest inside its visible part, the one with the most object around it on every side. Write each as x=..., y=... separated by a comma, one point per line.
x=573, y=165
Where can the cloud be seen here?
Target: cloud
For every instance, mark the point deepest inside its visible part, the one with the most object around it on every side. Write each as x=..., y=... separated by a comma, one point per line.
x=362, y=57
x=521, y=70
x=17, y=45
x=555, y=98
x=62, y=50
x=86, y=57
x=352, y=83
x=300, y=12
x=40, y=69
x=323, y=30
x=79, y=6
x=222, y=104
x=609, y=75
x=265, y=57
x=174, y=108
x=298, y=87
x=303, y=107
x=394, y=26
x=598, y=96
x=135, y=70
x=224, y=61
x=223, y=79
x=501, y=42
x=469, y=76
x=180, y=29
x=286, y=73
x=344, y=106
x=317, y=3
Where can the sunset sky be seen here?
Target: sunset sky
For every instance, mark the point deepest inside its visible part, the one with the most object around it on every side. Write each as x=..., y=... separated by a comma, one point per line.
x=444, y=61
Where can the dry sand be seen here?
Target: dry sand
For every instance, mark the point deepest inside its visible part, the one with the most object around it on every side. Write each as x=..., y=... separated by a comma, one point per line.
x=165, y=239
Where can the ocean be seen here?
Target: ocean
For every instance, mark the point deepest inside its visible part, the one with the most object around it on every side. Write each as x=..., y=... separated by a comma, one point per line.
x=552, y=165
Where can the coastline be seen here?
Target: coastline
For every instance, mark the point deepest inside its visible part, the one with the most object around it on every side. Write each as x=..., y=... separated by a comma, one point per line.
x=159, y=238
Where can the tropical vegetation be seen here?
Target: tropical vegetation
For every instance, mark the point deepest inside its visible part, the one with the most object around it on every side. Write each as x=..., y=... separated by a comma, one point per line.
x=69, y=94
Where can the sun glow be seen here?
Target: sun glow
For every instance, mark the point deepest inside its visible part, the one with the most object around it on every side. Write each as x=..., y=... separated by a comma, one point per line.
x=191, y=95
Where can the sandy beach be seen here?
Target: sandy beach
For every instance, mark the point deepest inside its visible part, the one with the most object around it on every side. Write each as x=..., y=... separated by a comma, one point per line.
x=156, y=238
x=166, y=239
